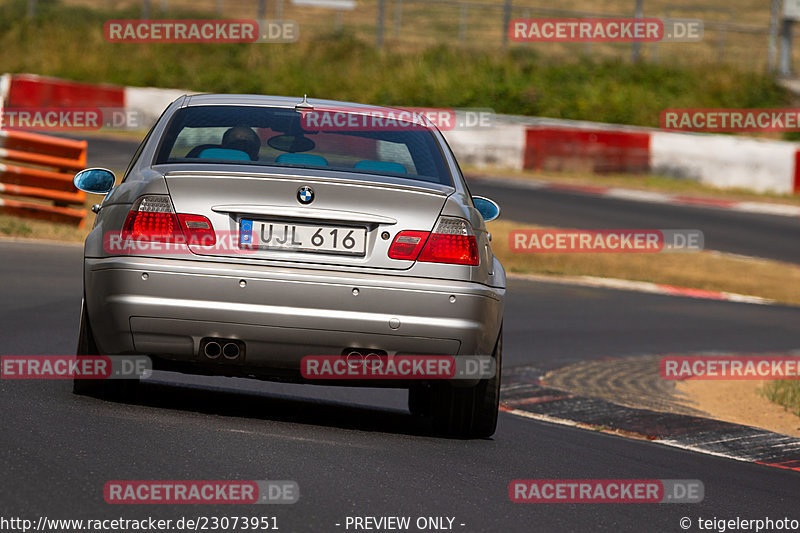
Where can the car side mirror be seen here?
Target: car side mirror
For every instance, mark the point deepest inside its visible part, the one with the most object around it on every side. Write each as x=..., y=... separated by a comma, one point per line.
x=95, y=180
x=488, y=209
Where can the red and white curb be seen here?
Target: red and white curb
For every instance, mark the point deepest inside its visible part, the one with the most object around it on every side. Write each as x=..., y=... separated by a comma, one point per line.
x=644, y=286
x=700, y=435
x=582, y=425
x=650, y=196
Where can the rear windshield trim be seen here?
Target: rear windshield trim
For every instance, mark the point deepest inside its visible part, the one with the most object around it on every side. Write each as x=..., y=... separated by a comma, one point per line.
x=422, y=146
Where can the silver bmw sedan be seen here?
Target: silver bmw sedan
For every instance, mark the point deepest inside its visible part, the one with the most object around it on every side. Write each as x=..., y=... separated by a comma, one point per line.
x=254, y=235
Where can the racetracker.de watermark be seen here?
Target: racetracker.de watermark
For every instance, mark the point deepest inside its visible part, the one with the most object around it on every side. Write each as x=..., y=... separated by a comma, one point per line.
x=732, y=368
x=606, y=491
x=201, y=492
x=373, y=366
x=605, y=30
x=70, y=118
x=71, y=366
x=211, y=243
x=620, y=241
x=730, y=120
x=396, y=119
x=201, y=31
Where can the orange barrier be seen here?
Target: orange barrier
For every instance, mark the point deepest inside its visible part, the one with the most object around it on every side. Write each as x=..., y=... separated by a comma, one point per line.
x=48, y=165
x=43, y=212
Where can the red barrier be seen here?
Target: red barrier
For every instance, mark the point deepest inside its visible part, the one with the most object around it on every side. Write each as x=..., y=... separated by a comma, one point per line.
x=796, y=189
x=40, y=159
x=34, y=177
x=39, y=144
x=43, y=212
x=599, y=151
x=48, y=165
x=29, y=90
x=45, y=194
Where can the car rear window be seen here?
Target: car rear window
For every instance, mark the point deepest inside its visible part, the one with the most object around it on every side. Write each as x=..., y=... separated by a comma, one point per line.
x=267, y=136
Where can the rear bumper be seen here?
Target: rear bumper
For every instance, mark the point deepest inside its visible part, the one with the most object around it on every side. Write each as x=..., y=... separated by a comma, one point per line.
x=165, y=307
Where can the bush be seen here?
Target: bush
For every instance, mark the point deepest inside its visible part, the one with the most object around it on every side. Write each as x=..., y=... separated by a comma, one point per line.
x=785, y=393
x=68, y=42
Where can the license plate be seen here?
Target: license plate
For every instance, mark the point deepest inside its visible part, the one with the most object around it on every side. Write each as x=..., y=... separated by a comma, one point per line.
x=294, y=237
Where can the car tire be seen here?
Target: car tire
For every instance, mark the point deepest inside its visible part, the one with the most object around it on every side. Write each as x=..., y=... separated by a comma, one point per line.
x=113, y=389
x=470, y=412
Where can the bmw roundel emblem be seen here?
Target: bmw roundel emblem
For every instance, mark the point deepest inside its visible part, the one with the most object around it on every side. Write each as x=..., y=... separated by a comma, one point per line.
x=305, y=194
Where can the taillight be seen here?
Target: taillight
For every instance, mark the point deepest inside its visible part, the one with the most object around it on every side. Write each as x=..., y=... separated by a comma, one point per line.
x=452, y=241
x=198, y=230
x=407, y=245
x=153, y=219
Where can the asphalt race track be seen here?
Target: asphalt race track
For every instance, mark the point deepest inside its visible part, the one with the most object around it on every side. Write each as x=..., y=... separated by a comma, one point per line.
x=767, y=236
x=357, y=452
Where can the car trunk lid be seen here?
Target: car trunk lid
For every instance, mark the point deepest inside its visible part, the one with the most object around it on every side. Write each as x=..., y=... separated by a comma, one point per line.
x=309, y=218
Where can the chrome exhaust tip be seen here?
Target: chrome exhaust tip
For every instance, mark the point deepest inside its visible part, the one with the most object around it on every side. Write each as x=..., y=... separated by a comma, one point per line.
x=230, y=350
x=212, y=349
x=371, y=357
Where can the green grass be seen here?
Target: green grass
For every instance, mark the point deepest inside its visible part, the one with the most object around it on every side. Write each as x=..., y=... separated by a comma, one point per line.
x=785, y=393
x=67, y=42
x=765, y=278
x=14, y=227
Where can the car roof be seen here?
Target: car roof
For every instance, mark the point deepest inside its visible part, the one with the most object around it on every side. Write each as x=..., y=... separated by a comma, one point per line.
x=289, y=102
